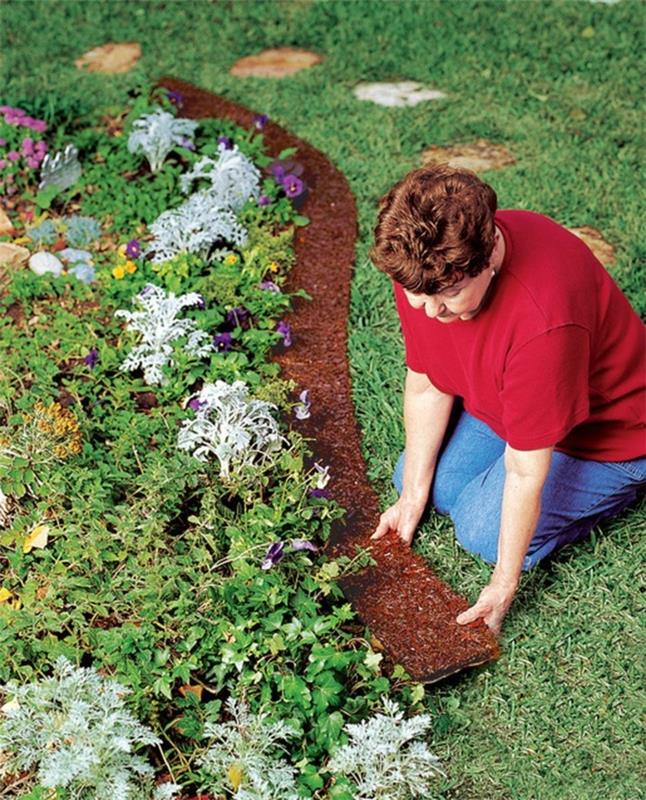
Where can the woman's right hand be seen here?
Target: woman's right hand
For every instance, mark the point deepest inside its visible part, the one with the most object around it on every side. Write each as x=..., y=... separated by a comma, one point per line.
x=402, y=518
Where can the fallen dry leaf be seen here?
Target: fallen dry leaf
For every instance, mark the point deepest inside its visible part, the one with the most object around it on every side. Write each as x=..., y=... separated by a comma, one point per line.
x=37, y=539
x=194, y=689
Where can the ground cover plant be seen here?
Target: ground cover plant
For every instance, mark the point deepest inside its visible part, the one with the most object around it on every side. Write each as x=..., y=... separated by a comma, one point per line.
x=163, y=519
x=557, y=82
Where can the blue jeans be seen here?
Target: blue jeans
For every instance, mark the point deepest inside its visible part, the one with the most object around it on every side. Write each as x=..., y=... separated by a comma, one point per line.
x=468, y=486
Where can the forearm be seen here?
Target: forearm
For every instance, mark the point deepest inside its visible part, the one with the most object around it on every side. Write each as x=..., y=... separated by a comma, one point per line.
x=426, y=416
x=521, y=505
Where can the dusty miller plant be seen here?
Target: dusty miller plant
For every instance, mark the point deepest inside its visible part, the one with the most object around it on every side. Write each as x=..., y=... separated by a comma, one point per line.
x=75, y=730
x=239, y=431
x=158, y=133
x=156, y=320
x=244, y=756
x=383, y=760
x=233, y=178
x=194, y=227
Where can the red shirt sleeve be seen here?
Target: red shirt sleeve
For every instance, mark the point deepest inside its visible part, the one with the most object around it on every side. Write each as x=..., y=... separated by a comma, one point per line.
x=413, y=359
x=545, y=388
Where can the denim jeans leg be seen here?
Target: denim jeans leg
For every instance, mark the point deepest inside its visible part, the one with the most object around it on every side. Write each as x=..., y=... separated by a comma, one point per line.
x=470, y=447
x=577, y=495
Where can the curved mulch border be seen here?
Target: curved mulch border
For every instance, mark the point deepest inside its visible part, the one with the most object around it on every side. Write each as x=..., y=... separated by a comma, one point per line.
x=407, y=608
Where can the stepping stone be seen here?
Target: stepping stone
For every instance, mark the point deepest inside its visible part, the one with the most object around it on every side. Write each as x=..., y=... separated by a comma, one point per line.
x=110, y=58
x=274, y=63
x=405, y=605
x=13, y=254
x=5, y=223
x=479, y=156
x=404, y=93
x=602, y=249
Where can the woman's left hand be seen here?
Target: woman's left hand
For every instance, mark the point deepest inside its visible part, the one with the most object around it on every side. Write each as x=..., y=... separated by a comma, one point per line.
x=492, y=606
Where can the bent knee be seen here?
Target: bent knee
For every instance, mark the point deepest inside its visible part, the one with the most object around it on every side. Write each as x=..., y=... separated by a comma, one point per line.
x=475, y=535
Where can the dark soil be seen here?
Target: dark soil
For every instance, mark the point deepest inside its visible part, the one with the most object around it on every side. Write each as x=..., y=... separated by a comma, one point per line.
x=406, y=606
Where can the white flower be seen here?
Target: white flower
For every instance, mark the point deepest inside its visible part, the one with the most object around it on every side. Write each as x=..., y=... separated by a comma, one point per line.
x=302, y=410
x=237, y=430
x=323, y=476
x=383, y=761
x=157, y=134
x=194, y=227
x=234, y=179
x=156, y=321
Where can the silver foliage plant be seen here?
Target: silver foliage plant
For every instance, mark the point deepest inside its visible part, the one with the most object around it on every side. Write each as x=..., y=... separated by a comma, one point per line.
x=156, y=320
x=238, y=430
x=233, y=178
x=385, y=760
x=76, y=732
x=194, y=227
x=158, y=133
x=244, y=756
x=62, y=169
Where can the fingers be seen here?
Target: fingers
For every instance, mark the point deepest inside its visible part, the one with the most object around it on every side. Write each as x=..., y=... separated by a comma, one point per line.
x=472, y=614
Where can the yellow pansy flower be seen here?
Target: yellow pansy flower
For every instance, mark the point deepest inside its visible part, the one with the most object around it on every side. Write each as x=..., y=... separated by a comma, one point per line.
x=119, y=272
x=274, y=267
x=232, y=258
x=130, y=267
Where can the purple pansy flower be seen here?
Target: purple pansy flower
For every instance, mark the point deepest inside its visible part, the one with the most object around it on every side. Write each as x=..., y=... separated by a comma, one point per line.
x=285, y=331
x=264, y=200
x=304, y=544
x=195, y=403
x=278, y=171
x=238, y=316
x=275, y=553
x=133, y=249
x=226, y=141
x=270, y=286
x=176, y=98
x=260, y=120
x=187, y=143
x=319, y=493
x=293, y=186
x=92, y=358
x=223, y=342
x=302, y=410
x=146, y=290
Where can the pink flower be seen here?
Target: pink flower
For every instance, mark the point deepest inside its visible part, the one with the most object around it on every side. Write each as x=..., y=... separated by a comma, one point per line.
x=3, y=142
x=41, y=147
x=3, y=163
x=38, y=125
x=13, y=155
x=33, y=163
x=28, y=146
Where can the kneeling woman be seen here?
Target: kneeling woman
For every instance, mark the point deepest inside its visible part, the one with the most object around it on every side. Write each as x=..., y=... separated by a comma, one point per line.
x=525, y=396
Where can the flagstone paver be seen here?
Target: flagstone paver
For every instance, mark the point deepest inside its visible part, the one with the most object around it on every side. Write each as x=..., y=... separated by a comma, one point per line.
x=13, y=254
x=110, y=58
x=602, y=249
x=402, y=93
x=478, y=156
x=5, y=223
x=277, y=62
x=407, y=607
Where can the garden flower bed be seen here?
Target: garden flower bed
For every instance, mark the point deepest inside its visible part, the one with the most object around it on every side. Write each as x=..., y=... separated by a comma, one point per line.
x=163, y=517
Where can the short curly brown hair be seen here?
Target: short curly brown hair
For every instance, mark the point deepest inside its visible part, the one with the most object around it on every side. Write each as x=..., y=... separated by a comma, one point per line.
x=435, y=226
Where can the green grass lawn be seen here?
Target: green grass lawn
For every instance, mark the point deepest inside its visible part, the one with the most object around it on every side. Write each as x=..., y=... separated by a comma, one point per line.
x=559, y=84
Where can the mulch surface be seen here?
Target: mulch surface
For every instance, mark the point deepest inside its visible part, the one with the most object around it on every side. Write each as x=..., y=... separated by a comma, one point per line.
x=406, y=606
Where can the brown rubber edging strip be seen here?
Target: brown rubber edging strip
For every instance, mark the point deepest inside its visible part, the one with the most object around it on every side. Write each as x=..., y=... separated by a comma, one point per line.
x=407, y=607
